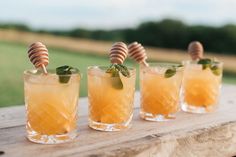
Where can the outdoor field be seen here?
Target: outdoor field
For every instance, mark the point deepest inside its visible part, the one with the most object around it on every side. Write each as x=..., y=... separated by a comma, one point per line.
x=14, y=60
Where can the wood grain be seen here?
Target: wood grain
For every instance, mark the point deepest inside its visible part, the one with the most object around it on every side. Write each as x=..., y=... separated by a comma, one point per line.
x=190, y=135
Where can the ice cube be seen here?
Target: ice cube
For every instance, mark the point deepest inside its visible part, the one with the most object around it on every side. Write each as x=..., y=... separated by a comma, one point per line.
x=156, y=70
x=194, y=67
x=42, y=78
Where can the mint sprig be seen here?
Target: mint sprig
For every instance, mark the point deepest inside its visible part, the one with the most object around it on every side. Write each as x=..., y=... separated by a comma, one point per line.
x=216, y=70
x=209, y=63
x=64, y=73
x=205, y=62
x=172, y=71
x=114, y=70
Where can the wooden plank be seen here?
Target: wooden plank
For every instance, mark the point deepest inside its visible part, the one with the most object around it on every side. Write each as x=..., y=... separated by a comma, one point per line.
x=211, y=134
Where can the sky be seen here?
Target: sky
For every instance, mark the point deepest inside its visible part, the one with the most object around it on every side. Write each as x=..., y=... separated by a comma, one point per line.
x=111, y=14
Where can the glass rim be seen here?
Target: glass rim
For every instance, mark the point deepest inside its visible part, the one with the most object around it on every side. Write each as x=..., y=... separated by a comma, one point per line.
x=104, y=68
x=33, y=72
x=163, y=65
x=195, y=62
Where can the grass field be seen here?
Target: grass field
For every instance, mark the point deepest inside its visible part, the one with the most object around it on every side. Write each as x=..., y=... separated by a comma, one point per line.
x=101, y=47
x=13, y=61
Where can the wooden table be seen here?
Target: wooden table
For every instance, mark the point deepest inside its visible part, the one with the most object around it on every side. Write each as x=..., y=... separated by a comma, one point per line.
x=189, y=135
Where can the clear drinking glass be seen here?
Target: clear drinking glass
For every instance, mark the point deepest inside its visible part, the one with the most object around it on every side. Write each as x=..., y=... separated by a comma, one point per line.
x=160, y=91
x=111, y=107
x=201, y=87
x=51, y=106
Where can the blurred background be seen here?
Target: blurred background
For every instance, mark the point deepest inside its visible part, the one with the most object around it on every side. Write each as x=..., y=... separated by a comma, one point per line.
x=80, y=33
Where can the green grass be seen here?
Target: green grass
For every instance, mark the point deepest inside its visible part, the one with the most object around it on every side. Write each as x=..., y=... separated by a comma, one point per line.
x=229, y=77
x=14, y=60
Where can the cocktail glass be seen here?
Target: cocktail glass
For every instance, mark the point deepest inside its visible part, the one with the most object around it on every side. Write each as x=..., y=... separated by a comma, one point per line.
x=51, y=106
x=160, y=91
x=111, y=99
x=201, y=87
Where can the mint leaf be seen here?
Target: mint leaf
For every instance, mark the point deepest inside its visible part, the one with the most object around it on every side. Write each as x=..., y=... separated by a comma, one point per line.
x=66, y=71
x=205, y=62
x=116, y=83
x=115, y=70
x=170, y=72
x=208, y=63
x=123, y=69
x=216, y=70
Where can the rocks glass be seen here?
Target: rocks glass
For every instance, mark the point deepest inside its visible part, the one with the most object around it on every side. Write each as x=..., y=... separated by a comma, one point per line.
x=110, y=99
x=51, y=104
x=160, y=91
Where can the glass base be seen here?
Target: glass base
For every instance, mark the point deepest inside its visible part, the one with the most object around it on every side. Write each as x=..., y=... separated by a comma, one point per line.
x=110, y=127
x=51, y=139
x=197, y=109
x=156, y=117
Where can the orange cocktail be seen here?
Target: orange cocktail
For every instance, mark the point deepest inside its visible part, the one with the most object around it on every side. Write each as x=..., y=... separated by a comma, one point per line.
x=111, y=99
x=160, y=91
x=51, y=106
x=201, y=86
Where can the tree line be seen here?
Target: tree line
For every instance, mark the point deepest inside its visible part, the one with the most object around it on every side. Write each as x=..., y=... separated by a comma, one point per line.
x=167, y=33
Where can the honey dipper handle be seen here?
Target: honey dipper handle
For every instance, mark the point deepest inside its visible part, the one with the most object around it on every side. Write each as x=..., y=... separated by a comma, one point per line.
x=144, y=63
x=44, y=69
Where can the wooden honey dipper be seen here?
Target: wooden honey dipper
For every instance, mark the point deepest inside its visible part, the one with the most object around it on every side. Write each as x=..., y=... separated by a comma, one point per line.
x=118, y=53
x=38, y=55
x=138, y=53
x=195, y=50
